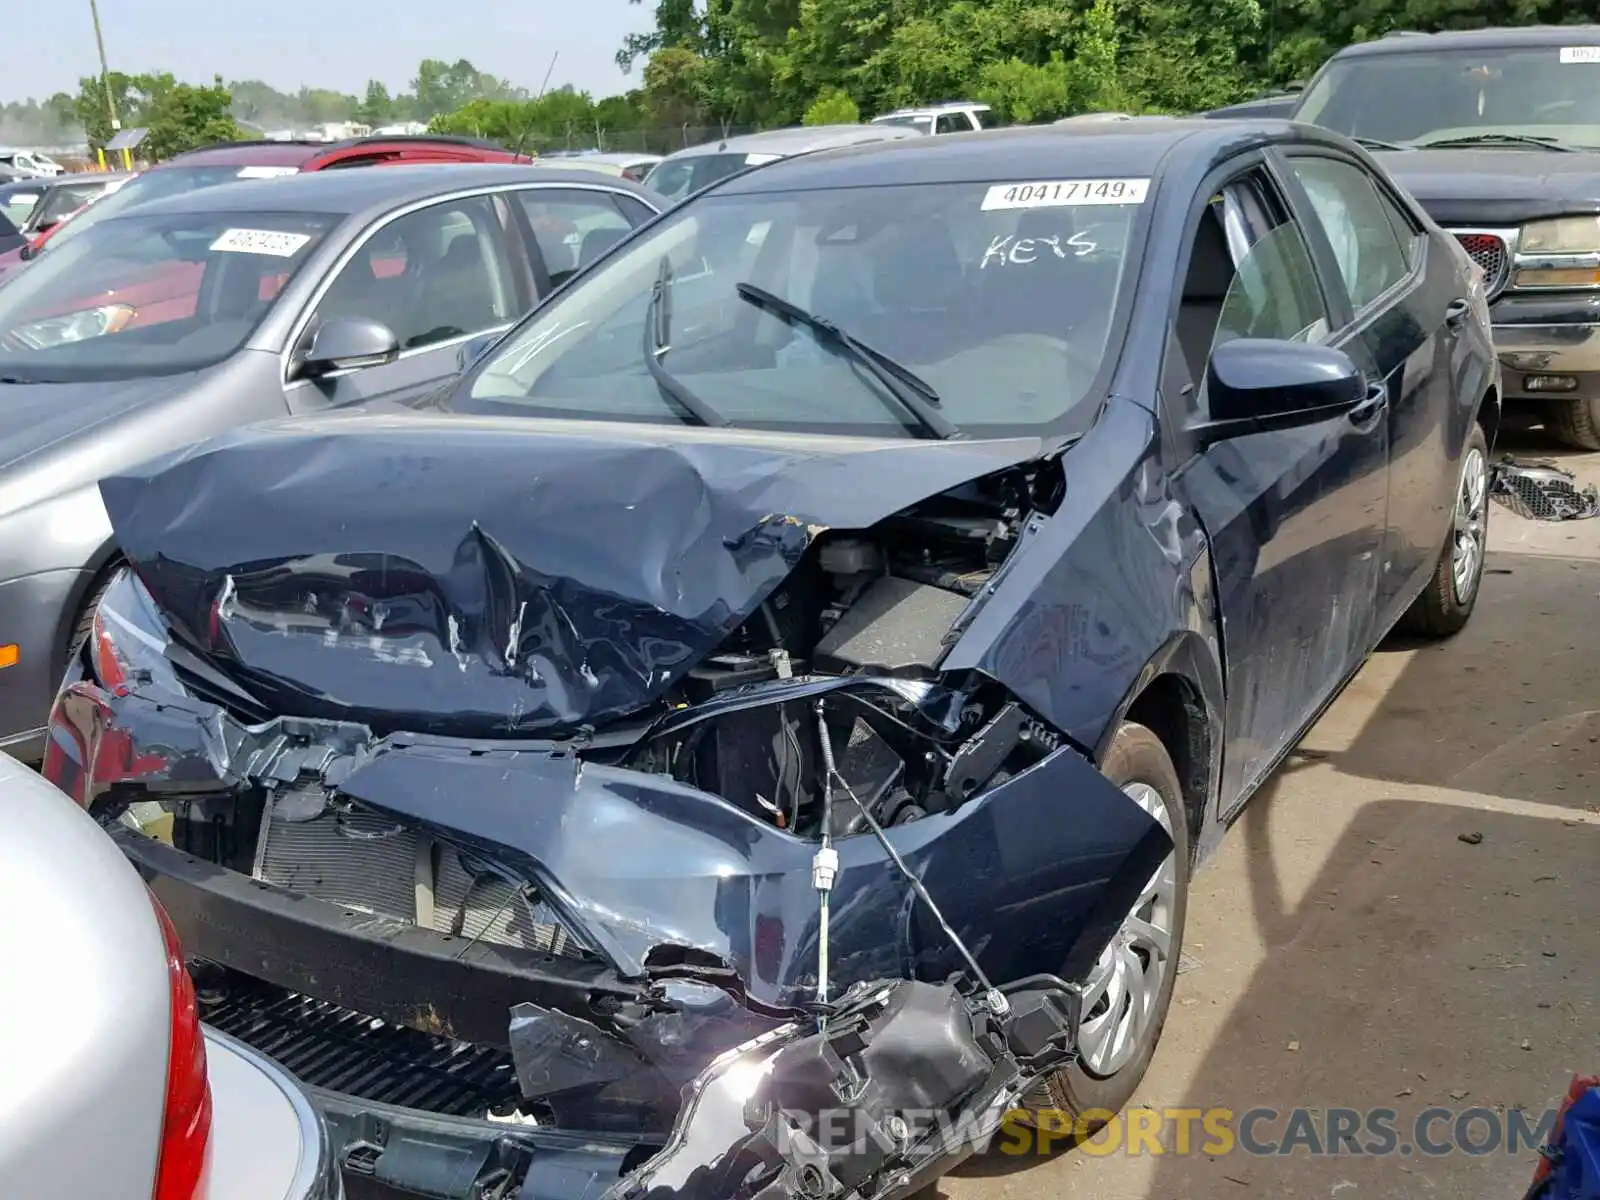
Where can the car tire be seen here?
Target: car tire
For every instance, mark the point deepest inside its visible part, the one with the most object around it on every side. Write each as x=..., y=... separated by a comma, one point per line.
x=1137, y=762
x=1446, y=604
x=1576, y=423
x=84, y=625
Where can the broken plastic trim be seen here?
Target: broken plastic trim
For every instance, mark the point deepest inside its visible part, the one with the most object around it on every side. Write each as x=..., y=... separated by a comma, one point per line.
x=1542, y=491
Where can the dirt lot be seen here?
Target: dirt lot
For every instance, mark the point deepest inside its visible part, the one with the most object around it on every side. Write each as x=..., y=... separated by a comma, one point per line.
x=1349, y=950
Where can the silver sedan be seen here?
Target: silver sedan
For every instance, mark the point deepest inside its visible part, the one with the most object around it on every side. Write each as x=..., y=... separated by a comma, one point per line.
x=114, y=1090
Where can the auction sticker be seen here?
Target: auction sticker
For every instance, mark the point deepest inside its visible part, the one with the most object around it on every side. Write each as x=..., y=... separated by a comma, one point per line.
x=267, y=172
x=261, y=241
x=1065, y=193
x=1580, y=54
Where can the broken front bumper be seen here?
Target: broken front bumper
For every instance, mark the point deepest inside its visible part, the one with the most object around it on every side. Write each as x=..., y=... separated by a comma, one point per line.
x=700, y=919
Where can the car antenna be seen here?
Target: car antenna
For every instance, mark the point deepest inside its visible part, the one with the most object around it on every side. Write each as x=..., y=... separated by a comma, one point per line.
x=825, y=865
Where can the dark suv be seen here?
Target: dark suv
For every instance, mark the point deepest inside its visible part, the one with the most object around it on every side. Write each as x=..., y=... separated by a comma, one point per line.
x=1497, y=133
x=263, y=159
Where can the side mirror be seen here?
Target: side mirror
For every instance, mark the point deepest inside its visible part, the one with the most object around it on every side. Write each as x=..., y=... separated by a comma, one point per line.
x=1254, y=385
x=348, y=344
x=472, y=351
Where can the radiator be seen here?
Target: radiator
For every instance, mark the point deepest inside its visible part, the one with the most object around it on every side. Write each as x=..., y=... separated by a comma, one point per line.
x=368, y=863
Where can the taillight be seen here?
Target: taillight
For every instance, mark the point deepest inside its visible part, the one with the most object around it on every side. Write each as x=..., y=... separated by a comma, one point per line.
x=186, y=1120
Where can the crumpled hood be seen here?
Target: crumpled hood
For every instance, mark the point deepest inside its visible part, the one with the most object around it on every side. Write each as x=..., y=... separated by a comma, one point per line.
x=1494, y=186
x=456, y=574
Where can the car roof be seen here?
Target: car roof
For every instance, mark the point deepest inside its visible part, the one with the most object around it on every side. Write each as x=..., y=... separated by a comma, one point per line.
x=263, y=152
x=1408, y=42
x=620, y=158
x=375, y=189
x=1099, y=149
x=88, y=177
x=799, y=139
x=944, y=106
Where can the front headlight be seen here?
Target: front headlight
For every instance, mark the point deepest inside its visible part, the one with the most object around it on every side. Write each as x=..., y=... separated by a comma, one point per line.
x=127, y=640
x=74, y=327
x=1564, y=235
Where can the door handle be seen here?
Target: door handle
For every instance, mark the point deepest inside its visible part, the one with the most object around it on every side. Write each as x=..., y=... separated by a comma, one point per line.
x=1456, y=312
x=1366, y=414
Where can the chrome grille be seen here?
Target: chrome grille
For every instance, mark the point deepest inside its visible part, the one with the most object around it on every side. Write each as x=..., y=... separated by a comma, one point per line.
x=371, y=864
x=1490, y=252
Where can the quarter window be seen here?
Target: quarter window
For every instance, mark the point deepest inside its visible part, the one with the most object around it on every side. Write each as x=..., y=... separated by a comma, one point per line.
x=1372, y=257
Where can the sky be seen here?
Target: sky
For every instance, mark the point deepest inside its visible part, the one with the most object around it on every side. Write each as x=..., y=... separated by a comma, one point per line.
x=336, y=44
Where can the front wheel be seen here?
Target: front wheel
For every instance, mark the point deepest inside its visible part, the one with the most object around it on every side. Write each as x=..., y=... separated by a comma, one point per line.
x=1129, y=989
x=1447, y=602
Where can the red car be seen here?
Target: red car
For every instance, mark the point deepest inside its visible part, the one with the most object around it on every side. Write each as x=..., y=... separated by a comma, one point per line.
x=254, y=160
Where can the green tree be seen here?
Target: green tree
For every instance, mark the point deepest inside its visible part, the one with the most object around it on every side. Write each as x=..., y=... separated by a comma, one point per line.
x=182, y=116
x=376, y=106
x=442, y=87
x=616, y=113
x=92, y=110
x=674, y=87
x=678, y=26
x=832, y=107
x=1023, y=93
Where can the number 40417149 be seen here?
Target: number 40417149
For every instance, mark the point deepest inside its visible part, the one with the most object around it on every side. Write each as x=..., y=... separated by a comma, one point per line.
x=1069, y=190
x=1065, y=192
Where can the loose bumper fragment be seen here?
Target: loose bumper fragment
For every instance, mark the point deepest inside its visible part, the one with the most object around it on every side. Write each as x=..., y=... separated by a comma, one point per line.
x=1543, y=492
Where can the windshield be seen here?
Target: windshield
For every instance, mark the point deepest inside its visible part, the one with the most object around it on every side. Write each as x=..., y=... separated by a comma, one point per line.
x=61, y=202
x=1003, y=311
x=156, y=185
x=679, y=178
x=17, y=203
x=150, y=295
x=922, y=124
x=1434, y=95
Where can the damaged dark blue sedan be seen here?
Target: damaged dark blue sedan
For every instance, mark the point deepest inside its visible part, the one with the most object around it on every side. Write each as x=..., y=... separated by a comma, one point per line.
x=795, y=672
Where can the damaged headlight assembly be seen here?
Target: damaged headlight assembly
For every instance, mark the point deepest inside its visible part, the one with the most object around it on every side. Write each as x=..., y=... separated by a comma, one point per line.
x=877, y=1093
x=872, y=1097
x=127, y=640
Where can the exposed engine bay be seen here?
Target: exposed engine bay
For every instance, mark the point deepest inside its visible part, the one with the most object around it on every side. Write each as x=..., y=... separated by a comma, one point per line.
x=883, y=603
x=530, y=823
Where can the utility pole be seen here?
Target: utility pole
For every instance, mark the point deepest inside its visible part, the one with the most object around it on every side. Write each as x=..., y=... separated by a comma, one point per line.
x=105, y=86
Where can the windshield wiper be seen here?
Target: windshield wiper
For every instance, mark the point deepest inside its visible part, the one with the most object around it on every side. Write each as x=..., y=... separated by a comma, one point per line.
x=657, y=331
x=1500, y=139
x=1371, y=143
x=915, y=394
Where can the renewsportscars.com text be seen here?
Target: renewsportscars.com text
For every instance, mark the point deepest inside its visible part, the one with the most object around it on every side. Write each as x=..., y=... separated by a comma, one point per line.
x=1214, y=1132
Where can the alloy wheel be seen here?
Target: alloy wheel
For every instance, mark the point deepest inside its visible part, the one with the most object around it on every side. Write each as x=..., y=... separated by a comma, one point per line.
x=1466, y=558
x=1122, y=992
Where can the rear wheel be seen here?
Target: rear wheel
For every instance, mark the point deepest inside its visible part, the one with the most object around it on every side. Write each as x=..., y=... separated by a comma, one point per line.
x=1128, y=992
x=1447, y=602
x=1577, y=422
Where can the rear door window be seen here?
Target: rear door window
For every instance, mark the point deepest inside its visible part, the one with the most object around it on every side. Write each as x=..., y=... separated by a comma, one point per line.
x=573, y=227
x=1372, y=256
